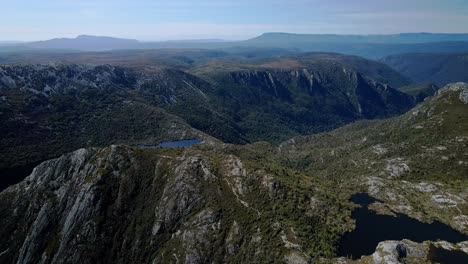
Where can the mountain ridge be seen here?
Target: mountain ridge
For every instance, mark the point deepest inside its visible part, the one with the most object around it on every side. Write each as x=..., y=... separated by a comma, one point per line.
x=254, y=202
x=72, y=106
x=85, y=42
x=369, y=46
x=401, y=38
x=439, y=68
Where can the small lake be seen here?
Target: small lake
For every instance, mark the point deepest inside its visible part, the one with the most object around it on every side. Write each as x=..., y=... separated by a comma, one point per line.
x=173, y=144
x=15, y=175
x=443, y=256
x=372, y=228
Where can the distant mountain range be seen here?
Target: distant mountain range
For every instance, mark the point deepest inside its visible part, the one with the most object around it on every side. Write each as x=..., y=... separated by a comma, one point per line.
x=271, y=180
x=370, y=46
x=222, y=203
x=46, y=110
x=439, y=68
x=85, y=42
x=404, y=38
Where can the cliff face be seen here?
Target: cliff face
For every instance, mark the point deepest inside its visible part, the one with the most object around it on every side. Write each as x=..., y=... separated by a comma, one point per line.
x=121, y=205
x=304, y=100
x=227, y=203
x=345, y=93
x=48, y=110
x=112, y=205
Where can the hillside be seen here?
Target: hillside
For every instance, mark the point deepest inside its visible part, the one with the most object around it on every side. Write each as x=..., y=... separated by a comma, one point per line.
x=52, y=109
x=436, y=68
x=49, y=110
x=231, y=203
x=274, y=103
x=194, y=59
x=403, y=38
x=379, y=72
x=420, y=91
x=368, y=46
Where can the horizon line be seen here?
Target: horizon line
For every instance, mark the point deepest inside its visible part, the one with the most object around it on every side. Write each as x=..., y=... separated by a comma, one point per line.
x=10, y=41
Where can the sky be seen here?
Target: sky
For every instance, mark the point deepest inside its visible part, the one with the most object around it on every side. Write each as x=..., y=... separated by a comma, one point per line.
x=154, y=20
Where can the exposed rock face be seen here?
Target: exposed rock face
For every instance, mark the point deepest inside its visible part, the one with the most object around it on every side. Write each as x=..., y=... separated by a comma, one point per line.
x=345, y=92
x=48, y=110
x=394, y=252
x=295, y=258
x=229, y=203
x=59, y=79
x=390, y=252
x=396, y=168
x=458, y=87
x=122, y=204
x=109, y=205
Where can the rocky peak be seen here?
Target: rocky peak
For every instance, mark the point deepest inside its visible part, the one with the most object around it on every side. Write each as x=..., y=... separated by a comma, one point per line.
x=159, y=207
x=457, y=87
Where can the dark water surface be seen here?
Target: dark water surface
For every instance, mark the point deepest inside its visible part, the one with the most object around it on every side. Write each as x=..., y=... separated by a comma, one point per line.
x=372, y=228
x=15, y=175
x=443, y=256
x=173, y=144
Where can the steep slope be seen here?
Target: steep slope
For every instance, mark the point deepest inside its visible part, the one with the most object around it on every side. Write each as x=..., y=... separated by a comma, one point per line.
x=438, y=68
x=120, y=205
x=194, y=59
x=420, y=91
x=385, y=158
x=375, y=70
x=47, y=110
x=253, y=203
x=273, y=103
x=433, y=134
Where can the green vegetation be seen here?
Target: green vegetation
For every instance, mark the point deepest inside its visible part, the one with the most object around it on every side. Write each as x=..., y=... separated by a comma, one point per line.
x=438, y=68
x=218, y=202
x=49, y=110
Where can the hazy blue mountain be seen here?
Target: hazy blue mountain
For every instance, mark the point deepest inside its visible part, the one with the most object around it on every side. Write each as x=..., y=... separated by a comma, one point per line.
x=194, y=40
x=369, y=46
x=404, y=38
x=9, y=42
x=85, y=42
x=437, y=68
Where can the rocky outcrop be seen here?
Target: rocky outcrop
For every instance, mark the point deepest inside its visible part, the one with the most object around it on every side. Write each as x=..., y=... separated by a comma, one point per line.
x=110, y=203
x=48, y=110
x=395, y=252
x=392, y=252
x=337, y=87
x=122, y=204
x=457, y=87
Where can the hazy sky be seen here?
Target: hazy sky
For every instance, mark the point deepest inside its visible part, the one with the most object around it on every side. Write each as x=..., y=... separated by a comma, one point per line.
x=238, y=19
